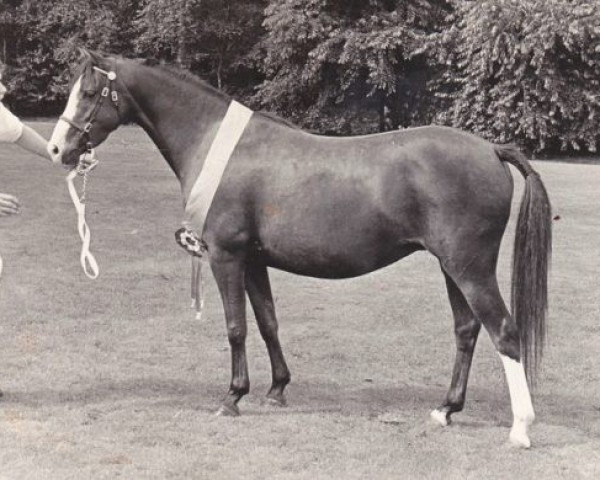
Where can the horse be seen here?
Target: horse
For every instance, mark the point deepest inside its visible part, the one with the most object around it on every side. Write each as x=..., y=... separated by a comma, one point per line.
x=334, y=208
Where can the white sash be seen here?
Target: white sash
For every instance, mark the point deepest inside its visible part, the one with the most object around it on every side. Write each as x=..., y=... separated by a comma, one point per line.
x=230, y=131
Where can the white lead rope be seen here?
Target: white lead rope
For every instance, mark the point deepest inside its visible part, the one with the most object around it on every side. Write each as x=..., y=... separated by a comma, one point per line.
x=86, y=258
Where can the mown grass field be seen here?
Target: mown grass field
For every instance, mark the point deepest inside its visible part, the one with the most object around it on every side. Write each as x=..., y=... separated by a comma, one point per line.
x=115, y=378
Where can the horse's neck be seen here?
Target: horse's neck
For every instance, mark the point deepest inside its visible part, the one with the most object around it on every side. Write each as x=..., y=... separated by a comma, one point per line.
x=180, y=117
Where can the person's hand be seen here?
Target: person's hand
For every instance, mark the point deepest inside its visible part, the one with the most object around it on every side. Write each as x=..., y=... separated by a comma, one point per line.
x=9, y=205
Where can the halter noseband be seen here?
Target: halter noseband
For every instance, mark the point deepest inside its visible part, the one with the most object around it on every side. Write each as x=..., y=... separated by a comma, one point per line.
x=106, y=90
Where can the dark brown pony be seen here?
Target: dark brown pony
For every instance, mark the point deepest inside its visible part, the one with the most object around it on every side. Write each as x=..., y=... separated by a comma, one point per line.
x=338, y=208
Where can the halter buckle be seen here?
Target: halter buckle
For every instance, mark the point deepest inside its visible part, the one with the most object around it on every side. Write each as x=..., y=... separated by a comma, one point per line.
x=114, y=96
x=88, y=127
x=105, y=91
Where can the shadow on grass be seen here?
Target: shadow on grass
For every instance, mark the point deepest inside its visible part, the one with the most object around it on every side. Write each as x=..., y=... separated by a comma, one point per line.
x=403, y=403
x=302, y=396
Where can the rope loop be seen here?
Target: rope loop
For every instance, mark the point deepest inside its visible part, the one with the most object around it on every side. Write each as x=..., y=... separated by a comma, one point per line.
x=87, y=260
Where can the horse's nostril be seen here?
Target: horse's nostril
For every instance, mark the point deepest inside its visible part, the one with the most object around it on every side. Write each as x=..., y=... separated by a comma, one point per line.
x=54, y=149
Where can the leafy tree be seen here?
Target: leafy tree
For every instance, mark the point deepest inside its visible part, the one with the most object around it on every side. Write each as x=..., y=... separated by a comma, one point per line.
x=8, y=29
x=209, y=37
x=39, y=40
x=347, y=66
x=524, y=71
x=46, y=33
x=166, y=29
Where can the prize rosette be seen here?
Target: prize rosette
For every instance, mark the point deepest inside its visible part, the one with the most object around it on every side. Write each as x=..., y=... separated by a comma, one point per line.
x=188, y=240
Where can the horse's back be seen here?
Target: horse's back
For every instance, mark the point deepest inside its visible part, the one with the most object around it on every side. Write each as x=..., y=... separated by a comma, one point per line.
x=393, y=170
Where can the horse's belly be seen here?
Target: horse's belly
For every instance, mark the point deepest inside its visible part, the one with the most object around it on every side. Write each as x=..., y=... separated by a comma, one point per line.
x=331, y=254
x=333, y=267
x=332, y=227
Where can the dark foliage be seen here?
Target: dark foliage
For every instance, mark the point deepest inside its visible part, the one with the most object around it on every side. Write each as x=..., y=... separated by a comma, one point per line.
x=523, y=71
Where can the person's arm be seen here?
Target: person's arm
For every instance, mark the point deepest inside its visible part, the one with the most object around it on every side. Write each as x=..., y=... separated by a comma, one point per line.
x=13, y=130
x=34, y=142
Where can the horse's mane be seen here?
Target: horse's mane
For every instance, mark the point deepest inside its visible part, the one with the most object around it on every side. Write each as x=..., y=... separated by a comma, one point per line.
x=278, y=119
x=188, y=76
x=185, y=75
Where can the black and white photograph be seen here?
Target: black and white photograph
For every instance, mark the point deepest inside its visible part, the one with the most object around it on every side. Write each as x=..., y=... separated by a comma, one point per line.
x=299, y=239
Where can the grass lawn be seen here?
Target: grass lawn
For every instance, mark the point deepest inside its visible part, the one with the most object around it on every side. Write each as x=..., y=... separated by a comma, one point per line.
x=115, y=378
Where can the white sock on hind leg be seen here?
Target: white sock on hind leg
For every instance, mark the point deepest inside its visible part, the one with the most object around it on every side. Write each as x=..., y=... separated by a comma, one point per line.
x=520, y=400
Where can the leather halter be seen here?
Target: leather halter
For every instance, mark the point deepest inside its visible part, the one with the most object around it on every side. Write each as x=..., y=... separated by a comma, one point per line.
x=108, y=88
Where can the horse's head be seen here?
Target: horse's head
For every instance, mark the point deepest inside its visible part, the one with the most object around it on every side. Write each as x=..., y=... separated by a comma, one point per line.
x=94, y=109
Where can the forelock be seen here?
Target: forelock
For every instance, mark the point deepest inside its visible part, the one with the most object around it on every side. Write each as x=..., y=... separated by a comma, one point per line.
x=85, y=71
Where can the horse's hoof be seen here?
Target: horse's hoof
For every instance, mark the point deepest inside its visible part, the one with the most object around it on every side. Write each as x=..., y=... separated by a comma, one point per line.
x=519, y=436
x=519, y=439
x=440, y=417
x=228, y=411
x=276, y=401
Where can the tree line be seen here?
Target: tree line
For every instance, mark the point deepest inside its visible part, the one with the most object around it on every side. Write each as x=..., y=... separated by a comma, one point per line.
x=524, y=71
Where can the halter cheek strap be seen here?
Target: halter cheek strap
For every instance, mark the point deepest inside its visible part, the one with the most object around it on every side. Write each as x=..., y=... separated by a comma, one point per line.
x=108, y=88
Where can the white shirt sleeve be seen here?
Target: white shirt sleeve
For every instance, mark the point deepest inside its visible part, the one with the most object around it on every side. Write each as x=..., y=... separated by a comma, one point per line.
x=11, y=127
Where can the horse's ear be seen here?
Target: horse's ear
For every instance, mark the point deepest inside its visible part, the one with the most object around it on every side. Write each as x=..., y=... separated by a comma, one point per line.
x=97, y=59
x=89, y=55
x=84, y=53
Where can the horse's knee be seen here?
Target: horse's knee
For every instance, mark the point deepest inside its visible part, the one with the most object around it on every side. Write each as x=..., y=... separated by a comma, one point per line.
x=236, y=334
x=269, y=330
x=268, y=305
x=466, y=335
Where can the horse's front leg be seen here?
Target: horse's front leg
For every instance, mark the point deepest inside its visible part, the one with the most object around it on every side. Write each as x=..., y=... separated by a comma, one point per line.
x=228, y=270
x=261, y=298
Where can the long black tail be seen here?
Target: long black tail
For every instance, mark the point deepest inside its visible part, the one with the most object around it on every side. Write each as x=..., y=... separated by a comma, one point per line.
x=531, y=259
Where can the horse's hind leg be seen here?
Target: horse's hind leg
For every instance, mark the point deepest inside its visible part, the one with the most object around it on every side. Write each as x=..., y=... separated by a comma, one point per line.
x=261, y=298
x=480, y=288
x=466, y=330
